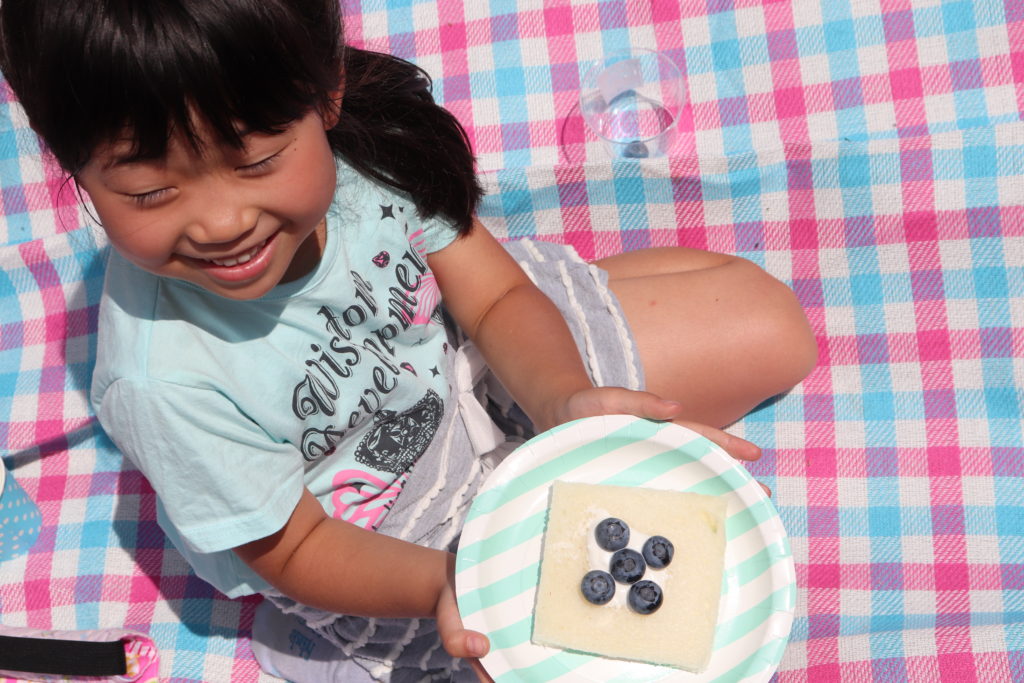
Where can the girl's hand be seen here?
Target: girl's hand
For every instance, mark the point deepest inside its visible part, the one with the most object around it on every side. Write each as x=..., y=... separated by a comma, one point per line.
x=457, y=640
x=593, y=401
x=616, y=400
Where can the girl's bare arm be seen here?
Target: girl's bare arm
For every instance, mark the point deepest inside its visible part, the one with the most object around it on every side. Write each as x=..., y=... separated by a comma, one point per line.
x=524, y=338
x=340, y=567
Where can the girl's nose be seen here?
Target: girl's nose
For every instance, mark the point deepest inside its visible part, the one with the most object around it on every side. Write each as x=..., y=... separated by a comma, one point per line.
x=220, y=217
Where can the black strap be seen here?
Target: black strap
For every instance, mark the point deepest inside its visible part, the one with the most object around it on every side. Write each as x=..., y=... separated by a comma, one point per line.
x=69, y=657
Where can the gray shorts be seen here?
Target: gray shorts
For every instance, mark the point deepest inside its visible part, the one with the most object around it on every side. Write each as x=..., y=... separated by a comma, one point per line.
x=595, y=317
x=437, y=495
x=593, y=314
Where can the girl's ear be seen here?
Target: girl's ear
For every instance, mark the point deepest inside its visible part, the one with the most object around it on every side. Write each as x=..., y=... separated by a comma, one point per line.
x=331, y=112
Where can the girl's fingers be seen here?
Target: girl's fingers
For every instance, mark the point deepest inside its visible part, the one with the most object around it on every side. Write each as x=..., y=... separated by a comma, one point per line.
x=651, y=406
x=458, y=641
x=616, y=400
x=741, y=449
x=609, y=400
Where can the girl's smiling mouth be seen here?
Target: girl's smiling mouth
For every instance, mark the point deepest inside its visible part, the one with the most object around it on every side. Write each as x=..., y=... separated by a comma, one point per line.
x=241, y=267
x=240, y=258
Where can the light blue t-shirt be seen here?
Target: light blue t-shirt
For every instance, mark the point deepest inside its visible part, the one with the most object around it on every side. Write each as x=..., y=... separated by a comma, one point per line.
x=334, y=382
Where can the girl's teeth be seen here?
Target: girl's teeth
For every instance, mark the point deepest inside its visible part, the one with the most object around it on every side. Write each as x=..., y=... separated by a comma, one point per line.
x=241, y=258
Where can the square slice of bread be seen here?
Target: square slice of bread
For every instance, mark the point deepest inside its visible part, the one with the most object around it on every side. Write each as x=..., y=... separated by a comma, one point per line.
x=681, y=632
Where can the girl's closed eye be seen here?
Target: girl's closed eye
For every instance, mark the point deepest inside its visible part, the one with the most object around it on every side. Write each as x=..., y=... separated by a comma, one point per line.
x=151, y=197
x=262, y=165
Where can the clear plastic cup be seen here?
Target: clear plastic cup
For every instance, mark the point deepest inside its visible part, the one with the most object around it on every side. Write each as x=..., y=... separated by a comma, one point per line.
x=632, y=100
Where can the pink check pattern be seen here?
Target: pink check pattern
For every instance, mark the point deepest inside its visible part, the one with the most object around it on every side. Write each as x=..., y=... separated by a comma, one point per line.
x=868, y=152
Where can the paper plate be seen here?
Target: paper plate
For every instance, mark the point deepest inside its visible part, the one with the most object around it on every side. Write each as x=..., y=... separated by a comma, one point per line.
x=498, y=562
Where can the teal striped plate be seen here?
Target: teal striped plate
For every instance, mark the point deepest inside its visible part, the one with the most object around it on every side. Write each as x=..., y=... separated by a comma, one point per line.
x=498, y=560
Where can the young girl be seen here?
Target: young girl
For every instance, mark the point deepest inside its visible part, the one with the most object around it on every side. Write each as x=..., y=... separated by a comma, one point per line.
x=287, y=215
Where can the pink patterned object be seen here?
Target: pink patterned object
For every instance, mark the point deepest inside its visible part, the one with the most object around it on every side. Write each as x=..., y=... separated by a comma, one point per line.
x=142, y=660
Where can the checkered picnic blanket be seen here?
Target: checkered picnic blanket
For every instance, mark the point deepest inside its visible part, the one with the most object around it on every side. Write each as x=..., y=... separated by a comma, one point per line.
x=870, y=153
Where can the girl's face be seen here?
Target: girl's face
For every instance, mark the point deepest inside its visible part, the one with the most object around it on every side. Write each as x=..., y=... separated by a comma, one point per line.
x=235, y=222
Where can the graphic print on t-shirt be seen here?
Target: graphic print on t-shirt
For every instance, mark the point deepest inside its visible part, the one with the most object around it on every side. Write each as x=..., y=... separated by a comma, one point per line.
x=367, y=376
x=362, y=498
x=397, y=440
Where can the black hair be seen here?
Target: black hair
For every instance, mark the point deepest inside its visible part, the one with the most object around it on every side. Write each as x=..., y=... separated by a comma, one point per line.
x=88, y=72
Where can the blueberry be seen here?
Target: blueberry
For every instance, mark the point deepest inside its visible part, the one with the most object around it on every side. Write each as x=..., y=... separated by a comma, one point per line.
x=658, y=551
x=612, y=534
x=644, y=597
x=598, y=587
x=627, y=566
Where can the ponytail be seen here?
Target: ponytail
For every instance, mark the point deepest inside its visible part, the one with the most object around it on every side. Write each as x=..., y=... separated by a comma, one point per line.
x=391, y=129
